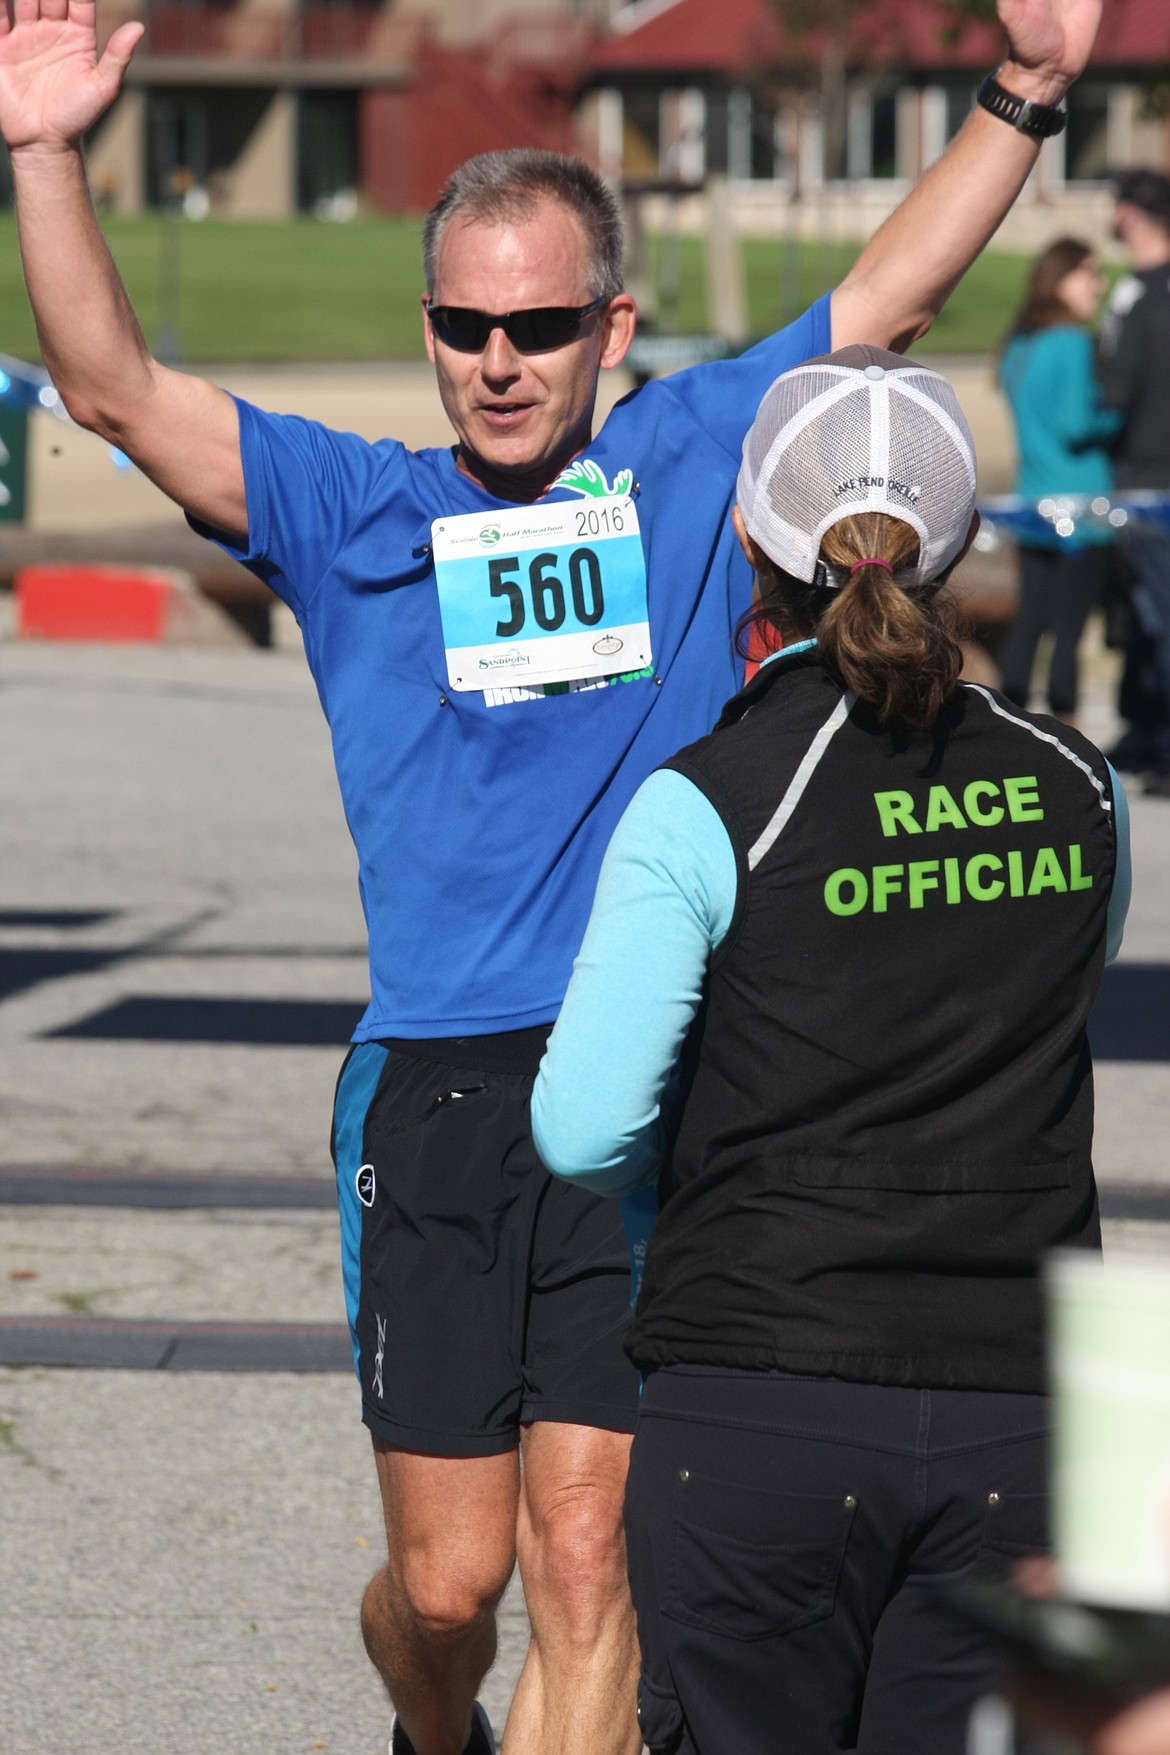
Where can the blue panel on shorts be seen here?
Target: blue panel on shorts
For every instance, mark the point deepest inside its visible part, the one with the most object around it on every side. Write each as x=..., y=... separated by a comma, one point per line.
x=355, y=1093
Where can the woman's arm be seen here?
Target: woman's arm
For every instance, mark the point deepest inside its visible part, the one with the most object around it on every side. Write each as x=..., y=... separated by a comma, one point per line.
x=665, y=899
x=1075, y=408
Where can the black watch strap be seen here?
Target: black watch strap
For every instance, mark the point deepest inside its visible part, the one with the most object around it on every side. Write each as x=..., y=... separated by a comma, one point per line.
x=1039, y=120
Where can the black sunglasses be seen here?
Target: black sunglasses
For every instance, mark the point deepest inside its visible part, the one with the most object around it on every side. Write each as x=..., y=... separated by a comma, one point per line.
x=535, y=331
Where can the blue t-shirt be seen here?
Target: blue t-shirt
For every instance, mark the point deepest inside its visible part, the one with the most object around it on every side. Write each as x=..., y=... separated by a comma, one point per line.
x=480, y=820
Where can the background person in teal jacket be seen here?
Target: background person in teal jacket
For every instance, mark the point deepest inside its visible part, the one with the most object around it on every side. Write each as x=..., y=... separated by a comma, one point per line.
x=1047, y=371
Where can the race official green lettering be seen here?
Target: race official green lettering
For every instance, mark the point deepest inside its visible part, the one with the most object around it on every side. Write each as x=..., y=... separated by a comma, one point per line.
x=981, y=877
x=984, y=804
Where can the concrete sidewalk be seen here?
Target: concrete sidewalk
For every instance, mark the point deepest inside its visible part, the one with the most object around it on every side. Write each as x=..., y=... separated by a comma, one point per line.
x=181, y=958
x=74, y=484
x=181, y=955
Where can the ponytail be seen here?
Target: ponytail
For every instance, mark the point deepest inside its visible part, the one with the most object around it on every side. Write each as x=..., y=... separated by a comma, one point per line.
x=893, y=646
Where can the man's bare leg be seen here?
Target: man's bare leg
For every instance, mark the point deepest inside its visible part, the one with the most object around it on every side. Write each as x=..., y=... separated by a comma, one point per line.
x=429, y=1616
x=577, y=1693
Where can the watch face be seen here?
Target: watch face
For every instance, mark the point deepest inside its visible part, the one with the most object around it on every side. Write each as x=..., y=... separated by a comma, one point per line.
x=1040, y=119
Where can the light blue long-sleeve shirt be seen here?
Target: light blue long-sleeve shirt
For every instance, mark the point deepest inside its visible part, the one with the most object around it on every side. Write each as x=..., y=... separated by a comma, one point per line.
x=603, y=1107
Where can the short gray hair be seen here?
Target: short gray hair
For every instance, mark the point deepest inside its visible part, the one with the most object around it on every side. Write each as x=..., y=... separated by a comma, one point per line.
x=497, y=187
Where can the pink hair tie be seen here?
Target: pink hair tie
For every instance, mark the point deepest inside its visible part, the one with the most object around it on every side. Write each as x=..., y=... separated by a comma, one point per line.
x=872, y=561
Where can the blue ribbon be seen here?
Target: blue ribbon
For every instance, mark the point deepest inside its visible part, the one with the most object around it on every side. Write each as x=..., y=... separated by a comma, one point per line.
x=1060, y=519
x=23, y=386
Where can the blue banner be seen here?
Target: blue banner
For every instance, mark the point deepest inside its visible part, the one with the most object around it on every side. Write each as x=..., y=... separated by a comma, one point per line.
x=1069, y=518
x=23, y=386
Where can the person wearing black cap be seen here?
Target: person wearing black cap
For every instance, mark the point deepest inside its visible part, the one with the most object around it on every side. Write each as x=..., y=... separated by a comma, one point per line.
x=1135, y=374
x=868, y=914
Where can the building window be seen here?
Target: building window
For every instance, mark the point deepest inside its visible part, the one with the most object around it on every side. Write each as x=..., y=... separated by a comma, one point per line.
x=859, y=146
x=959, y=98
x=1086, y=141
x=177, y=156
x=883, y=154
x=767, y=161
x=872, y=143
x=327, y=149
x=717, y=132
x=640, y=132
x=682, y=127
x=195, y=137
x=686, y=134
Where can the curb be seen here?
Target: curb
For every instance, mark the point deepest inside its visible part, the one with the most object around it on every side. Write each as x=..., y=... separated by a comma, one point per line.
x=116, y=1344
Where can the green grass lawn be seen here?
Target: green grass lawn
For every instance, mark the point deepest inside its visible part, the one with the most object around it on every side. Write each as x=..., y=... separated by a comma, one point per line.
x=783, y=279
x=305, y=290
x=255, y=291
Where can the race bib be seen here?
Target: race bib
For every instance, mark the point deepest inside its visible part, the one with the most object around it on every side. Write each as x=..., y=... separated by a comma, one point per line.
x=542, y=594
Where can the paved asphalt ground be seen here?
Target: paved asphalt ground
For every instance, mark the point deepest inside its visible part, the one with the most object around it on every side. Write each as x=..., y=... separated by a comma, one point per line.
x=187, y=1510
x=181, y=958
x=181, y=952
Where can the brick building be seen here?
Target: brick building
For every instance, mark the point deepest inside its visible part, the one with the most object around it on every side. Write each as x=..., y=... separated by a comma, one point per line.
x=268, y=107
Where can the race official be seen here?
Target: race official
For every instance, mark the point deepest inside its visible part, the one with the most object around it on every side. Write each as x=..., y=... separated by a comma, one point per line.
x=832, y=1001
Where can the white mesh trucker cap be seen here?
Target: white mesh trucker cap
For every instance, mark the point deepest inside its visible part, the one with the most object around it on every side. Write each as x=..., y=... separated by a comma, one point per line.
x=860, y=430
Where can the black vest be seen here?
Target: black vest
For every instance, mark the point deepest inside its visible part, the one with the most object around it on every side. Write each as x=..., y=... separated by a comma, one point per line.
x=890, y=1112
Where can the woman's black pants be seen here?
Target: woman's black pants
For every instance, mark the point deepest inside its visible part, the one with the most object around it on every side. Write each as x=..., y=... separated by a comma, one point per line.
x=784, y=1533
x=1058, y=591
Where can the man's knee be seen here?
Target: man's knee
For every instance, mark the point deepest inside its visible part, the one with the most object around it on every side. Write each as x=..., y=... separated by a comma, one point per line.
x=439, y=1595
x=450, y=1528
x=572, y=1548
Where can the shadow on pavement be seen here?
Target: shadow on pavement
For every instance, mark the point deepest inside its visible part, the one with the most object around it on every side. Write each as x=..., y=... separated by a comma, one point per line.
x=42, y=919
x=1130, y=1022
x=278, y=1023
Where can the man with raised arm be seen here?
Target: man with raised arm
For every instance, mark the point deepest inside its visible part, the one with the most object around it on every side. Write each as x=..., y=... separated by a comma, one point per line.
x=507, y=637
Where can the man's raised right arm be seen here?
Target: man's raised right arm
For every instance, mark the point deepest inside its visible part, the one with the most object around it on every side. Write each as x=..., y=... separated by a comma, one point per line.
x=181, y=431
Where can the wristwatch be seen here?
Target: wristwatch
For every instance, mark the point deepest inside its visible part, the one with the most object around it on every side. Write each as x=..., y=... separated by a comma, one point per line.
x=1039, y=120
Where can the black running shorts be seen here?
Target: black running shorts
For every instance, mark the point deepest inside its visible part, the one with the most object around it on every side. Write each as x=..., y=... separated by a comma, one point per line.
x=482, y=1293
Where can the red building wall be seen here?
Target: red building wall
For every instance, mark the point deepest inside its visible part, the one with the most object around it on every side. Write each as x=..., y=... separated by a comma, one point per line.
x=411, y=139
